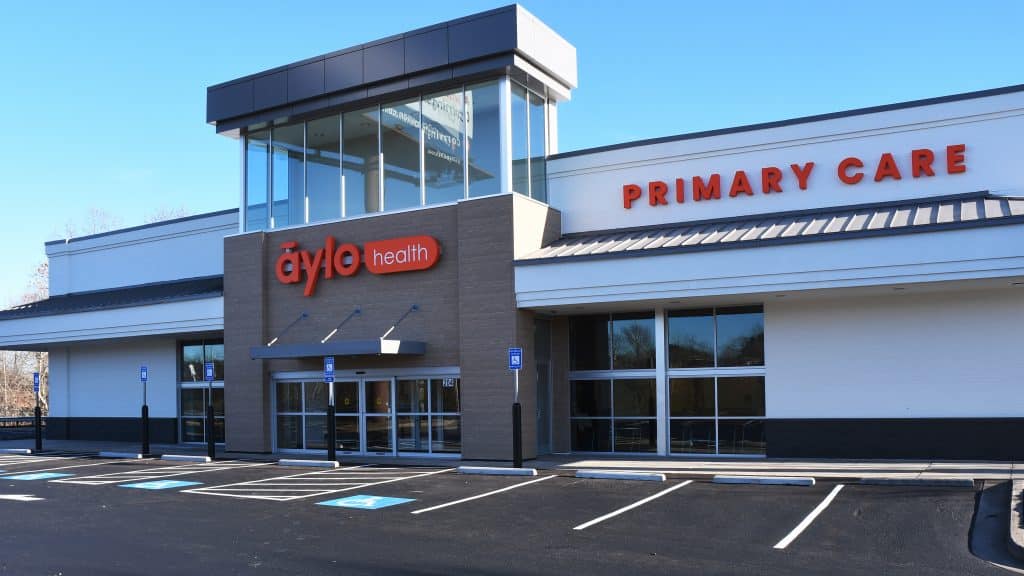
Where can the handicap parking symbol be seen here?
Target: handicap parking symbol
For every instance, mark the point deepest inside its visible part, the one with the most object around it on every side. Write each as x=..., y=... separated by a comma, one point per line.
x=36, y=476
x=364, y=502
x=160, y=484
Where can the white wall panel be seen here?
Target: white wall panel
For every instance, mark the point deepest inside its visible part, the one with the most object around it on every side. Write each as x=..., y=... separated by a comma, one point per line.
x=990, y=252
x=588, y=188
x=900, y=356
x=59, y=394
x=201, y=315
x=104, y=378
x=177, y=250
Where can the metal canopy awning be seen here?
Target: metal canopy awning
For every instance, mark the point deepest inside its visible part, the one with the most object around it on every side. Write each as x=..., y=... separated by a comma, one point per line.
x=374, y=347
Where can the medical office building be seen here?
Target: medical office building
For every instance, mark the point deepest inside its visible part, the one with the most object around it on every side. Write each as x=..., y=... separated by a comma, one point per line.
x=844, y=285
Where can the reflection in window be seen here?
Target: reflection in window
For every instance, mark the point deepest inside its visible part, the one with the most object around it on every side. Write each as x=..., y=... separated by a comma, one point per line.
x=257, y=171
x=400, y=143
x=691, y=339
x=626, y=425
x=288, y=174
x=444, y=119
x=483, y=139
x=538, y=148
x=741, y=337
x=323, y=169
x=588, y=341
x=633, y=341
x=361, y=162
x=691, y=397
x=741, y=396
x=520, y=141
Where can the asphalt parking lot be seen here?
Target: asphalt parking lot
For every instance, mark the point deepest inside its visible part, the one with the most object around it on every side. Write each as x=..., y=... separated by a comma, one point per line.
x=235, y=517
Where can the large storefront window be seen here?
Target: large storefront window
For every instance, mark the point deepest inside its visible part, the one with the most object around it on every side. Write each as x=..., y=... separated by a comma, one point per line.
x=195, y=393
x=373, y=416
x=716, y=381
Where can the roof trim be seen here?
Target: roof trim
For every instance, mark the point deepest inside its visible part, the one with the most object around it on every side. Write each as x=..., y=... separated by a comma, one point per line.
x=977, y=195
x=143, y=226
x=28, y=310
x=780, y=240
x=793, y=121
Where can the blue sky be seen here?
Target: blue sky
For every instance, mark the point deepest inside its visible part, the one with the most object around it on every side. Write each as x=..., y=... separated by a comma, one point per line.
x=105, y=100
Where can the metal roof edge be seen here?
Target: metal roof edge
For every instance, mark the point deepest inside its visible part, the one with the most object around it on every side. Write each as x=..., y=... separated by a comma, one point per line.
x=142, y=226
x=979, y=194
x=739, y=244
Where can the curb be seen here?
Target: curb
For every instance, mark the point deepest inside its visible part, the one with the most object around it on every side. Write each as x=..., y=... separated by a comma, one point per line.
x=932, y=482
x=616, y=475
x=128, y=455
x=772, y=480
x=15, y=451
x=1015, y=538
x=496, y=471
x=185, y=458
x=309, y=463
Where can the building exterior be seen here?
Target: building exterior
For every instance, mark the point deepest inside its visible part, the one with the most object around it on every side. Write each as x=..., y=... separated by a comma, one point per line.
x=845, y=285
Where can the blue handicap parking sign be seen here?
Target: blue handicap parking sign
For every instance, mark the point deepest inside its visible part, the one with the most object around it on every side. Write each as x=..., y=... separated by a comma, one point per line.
x=364, y=502
x=160, y=484
x=515, y=358
x=36, y=476
x=208, y=369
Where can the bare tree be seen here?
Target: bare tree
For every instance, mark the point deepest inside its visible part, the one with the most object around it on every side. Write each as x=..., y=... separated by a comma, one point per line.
x=167, y=213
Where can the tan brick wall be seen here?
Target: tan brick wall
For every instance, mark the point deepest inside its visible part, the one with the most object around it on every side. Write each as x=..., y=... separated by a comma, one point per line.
x=560, y=433
x=467, y=317
x=246, y=387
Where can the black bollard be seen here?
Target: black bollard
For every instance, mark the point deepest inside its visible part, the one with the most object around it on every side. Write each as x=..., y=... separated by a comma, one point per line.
x=332, y=434
x=517, y=435
x=210, y=435
x=145, y=430
x=39, y=429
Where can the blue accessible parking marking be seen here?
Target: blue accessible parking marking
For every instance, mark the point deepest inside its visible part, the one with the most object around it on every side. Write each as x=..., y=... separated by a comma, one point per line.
x=160, y=484
x=36, y=476
x=363, y=502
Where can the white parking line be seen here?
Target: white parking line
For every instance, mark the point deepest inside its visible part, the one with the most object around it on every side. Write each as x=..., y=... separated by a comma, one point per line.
x=159, y=472
x=810, y=518
x=484, y=495
x=319, y=483
x=61, y=468
x=19, y=460
x=586, y=525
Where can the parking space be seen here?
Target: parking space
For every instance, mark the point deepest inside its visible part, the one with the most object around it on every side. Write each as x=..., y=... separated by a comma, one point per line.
x=304, y=485
x=557, y=522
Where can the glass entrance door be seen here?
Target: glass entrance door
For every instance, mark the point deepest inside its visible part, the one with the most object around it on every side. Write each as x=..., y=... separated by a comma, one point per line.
x=378, y=416
x=348, y=412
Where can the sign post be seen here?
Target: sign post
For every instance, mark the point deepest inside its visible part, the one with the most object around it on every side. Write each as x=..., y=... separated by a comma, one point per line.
x=515, y=364
x=144, y=376
x=332, y=430
x=208, y=375
x=39, y=413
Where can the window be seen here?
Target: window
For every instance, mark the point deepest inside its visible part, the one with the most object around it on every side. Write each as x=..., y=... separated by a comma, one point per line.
x=323, y=169
x=400, y=146
x=257, y=174
x=716, y=337
x=529, y=143
x=444, y=119
x=483, y=139
x=612, y=342
x=287, y=150
x=716, y=381
x=428, y=415
x=361, y=161
x=616, y=415
x=433, y=148
x=195, y=391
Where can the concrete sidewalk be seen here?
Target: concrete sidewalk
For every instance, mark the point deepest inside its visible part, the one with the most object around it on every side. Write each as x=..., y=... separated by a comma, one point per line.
x=703, y=467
